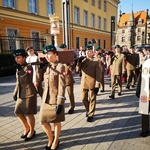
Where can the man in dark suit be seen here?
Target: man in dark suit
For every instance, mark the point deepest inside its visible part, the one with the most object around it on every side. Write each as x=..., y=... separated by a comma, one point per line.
x=132, y=64
x=90, y=79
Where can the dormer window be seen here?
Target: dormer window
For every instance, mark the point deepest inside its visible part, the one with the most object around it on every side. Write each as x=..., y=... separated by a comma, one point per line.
x=123, y=23
x=139, y=29
x=140, y=21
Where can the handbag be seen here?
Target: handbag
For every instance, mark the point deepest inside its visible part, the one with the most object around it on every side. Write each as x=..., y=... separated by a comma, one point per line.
x=47, y=113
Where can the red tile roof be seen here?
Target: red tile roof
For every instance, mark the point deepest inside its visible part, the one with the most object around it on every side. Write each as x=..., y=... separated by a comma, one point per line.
x=138, y=15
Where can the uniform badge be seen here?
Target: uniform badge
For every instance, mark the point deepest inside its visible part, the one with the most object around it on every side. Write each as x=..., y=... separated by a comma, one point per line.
x=63, y=73
x=29, y=71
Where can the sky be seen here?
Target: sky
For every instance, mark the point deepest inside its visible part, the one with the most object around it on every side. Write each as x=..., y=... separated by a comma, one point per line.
x=138, y=5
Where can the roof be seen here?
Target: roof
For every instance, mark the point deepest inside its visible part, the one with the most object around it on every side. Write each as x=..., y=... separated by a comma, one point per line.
x=125, y=18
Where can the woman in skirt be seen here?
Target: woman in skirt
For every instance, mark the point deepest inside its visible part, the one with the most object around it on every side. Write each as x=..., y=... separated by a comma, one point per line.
x=52, y=107
x=25, y=95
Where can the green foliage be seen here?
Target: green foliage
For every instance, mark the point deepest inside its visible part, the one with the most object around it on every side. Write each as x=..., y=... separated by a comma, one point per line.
x=6, y=64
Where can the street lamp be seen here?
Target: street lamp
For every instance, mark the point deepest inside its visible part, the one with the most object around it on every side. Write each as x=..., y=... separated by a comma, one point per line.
x=54, y=27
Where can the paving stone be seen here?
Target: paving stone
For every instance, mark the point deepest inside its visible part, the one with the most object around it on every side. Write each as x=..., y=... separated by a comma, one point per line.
x=116, y=126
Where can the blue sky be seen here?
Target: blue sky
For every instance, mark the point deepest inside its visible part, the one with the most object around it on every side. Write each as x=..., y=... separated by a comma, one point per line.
x=138, y=5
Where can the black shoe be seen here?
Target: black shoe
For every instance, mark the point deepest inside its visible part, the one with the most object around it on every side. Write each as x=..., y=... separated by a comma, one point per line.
x=23, y=136
x=127, y=87
x=71, y=111
x=144, y=134
x=29, y=138
x=132, y=86
x=111, y=96
x=89, y=119
x=96, y=90
x=47, y=147
x=86, y=114
x=102, y=90
x=119, y=94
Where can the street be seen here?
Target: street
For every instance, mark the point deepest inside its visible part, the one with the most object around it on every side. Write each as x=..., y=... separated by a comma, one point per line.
x=116, y=125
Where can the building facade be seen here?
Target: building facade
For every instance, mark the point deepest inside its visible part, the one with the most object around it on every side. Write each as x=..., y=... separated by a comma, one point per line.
x=26, y=22
x=133, y=29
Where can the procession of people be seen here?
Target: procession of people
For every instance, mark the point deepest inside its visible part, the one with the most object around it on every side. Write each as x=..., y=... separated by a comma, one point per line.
x=52, y=80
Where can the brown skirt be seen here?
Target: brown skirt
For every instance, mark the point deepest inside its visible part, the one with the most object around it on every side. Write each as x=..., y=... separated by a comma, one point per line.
x=26, y=106
x=48, y=115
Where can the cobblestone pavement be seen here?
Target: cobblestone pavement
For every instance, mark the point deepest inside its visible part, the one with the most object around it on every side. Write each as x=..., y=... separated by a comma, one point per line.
x=116, y=125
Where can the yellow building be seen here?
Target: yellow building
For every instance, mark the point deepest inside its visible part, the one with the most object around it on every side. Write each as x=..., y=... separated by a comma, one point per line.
x=26, y=22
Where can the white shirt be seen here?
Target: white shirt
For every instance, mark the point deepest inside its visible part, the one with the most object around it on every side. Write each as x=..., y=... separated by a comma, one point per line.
x=31, y=59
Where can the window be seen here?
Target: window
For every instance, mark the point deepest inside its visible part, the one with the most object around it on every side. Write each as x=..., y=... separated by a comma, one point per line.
x=99, y=42
x=36, y=43
x=85, y=15
x=93, y=2
x=138, y=38
x=93, y=21
x=33, y=6
x=104, y=44
x=105, y=5
x=85, y=42
x=99, y=22
x=9, y=3
x=52, y=40
x=12, y=33
x=76, y=13
x=99, y=4
x=129, y=38
x=123, y=31
x=105, y=24
x=123, y=39
x=139, y=29
x=77, y=42
x=50, y=7
x=140, y=21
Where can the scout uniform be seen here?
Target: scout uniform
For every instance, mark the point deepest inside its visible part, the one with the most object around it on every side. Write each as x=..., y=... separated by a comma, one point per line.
x=117, y=69
x=54, y=88
x=24, y=89
x=90, y=79
x=69, y=86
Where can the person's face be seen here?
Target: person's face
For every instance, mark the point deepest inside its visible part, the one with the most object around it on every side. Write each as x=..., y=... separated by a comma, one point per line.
x=89, y=53
x=141, y=54
x=132, y=50
x=20, y=59
x=81, y=48
x=117, y=50
x=51, y=57
x=30, y=52
x=96, y=52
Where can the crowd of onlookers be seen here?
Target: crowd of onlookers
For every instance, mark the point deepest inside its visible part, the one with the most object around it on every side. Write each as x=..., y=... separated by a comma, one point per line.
x=106, y=54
